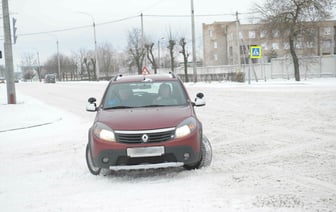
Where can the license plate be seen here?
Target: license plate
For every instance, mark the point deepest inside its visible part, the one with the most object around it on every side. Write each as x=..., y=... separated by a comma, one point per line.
x=145, y=151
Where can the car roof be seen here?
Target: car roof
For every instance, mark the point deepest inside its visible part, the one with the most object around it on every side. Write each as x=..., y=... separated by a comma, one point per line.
x=143, y=78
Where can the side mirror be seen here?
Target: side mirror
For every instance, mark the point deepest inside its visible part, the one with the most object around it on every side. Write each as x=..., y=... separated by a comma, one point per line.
x=200, y=95
x=92, y=100
x=199, y=101
x=92, y=106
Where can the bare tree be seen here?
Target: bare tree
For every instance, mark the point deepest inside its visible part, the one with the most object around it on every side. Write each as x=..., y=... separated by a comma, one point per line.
x=150, y=56
x=67, y=67
x=185, y=54
x=291, y=18
x=136, y=49
x=29, y=66
x=86, y=63
x=171, y=48
x=76, y=58
x=94, y=72
x=107, y=61
x=51, y=66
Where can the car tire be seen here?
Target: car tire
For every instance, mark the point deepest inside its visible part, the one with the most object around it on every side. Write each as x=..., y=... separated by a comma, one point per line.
x=206, y=155
x=89, y=161
x=206, y=149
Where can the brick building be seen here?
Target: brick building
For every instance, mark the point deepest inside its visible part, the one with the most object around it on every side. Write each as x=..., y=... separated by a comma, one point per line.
x=221, y=43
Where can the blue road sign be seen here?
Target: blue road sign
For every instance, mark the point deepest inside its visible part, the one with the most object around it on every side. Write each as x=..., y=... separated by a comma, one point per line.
x=255, y=52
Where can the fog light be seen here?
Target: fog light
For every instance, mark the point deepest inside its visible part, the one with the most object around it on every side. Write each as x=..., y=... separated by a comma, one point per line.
x=186, y=156
x=105, y=160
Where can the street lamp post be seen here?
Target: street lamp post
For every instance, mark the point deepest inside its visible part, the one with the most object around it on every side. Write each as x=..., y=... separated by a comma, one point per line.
x=58, y=62
x=159, y=49
x=95, y=42
x=58, y=57
x=193, y=40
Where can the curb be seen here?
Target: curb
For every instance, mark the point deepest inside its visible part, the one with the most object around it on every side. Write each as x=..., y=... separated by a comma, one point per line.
x=31, y=126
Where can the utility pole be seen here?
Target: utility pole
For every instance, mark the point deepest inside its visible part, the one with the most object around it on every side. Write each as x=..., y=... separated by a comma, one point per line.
x=58, y=58
x=193, y=40
x=95, y=47
x=142, y=32
x=143, y=40
x=95, y=42
x=11, y=95
x=39, y=67
x=58, y=62
x=238, y=41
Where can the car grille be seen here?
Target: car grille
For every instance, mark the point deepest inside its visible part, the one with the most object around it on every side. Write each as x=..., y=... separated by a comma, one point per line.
x=153, y=136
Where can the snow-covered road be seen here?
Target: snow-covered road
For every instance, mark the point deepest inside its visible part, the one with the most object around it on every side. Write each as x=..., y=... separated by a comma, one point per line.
x=274, y=146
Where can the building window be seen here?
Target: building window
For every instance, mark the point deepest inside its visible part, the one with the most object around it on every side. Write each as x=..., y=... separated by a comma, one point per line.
x=241, y=36
x=298, y=45
x=263, y=34
x=326, y=44
x=326, y=31
x=287, y=33
x=264, y=46
x=275, y=46
x=215, y=45
x=215, y=57
x=230, y=51
x=252, y=34
x=275, y=33
x=286, y=45
x=230, y=37
x=310, y=44
x=210, y=33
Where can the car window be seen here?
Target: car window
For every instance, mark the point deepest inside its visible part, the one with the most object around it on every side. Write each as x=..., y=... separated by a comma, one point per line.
x=144, y=94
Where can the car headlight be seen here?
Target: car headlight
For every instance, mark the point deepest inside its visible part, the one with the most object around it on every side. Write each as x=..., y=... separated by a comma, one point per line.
x=185, y=128
x=103, y=132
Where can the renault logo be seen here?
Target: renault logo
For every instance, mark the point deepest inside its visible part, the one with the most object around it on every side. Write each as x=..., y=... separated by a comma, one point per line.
x=144, y=138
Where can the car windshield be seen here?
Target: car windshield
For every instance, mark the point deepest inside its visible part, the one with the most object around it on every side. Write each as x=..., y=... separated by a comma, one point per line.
x=144, y=94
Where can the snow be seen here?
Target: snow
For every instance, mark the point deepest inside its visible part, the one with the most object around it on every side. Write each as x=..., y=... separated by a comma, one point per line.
x=274, y=149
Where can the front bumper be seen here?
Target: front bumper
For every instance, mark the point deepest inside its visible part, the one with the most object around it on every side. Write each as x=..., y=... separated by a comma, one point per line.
x=184, y=151
x=179, y=154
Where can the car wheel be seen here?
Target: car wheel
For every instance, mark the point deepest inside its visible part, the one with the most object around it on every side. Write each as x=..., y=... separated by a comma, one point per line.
x=206, y=152
x=206, y=155
x=89, y=161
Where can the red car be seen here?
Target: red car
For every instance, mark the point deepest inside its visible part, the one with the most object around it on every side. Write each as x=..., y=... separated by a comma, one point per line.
x=146, y=122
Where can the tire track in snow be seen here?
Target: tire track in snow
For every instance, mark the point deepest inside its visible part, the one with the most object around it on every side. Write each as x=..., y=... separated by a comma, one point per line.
x=269, y=155
x=308, y=182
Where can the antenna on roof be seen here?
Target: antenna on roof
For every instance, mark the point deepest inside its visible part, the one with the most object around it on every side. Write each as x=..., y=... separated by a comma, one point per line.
x=172, y=74
x=116, y=78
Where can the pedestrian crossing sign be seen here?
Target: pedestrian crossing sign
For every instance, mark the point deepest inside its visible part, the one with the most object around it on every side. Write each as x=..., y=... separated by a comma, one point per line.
x=255, y=52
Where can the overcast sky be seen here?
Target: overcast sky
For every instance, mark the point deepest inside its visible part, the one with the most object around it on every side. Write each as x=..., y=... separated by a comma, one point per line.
x=113, y=20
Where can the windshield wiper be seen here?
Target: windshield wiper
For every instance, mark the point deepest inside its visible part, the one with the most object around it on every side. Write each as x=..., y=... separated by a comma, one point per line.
x=156, y=105
x=118, y=107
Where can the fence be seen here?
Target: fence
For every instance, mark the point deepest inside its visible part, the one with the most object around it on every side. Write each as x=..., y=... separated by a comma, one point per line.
x=279, y=68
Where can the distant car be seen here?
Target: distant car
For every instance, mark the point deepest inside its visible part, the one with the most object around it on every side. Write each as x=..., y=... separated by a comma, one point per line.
x=146, y=121
x=50, y=78
x=2, y=80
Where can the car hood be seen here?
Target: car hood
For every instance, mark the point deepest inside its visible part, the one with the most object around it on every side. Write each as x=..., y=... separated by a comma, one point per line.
x=144, y=118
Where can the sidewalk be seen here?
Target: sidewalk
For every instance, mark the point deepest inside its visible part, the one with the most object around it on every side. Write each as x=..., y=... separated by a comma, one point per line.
x=27, y=113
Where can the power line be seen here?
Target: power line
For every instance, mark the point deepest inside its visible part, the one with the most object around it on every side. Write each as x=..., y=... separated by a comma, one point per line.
x=151, y=6
x=118, y=20
x=78, y=27
x=201, y=15
x=127, y=18
x=53, y=31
